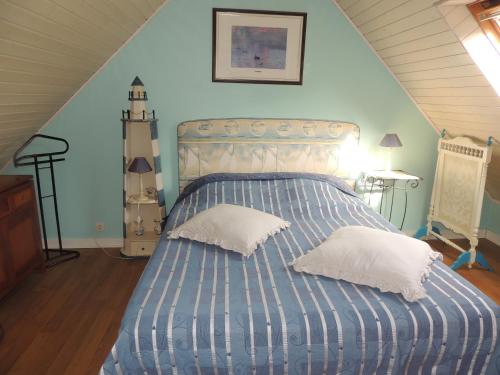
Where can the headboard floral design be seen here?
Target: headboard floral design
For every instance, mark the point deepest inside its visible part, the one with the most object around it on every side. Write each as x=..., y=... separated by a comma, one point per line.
x=251, y=145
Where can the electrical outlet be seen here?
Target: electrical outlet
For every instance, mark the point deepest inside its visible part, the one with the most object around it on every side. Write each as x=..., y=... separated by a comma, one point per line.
x=99, y=227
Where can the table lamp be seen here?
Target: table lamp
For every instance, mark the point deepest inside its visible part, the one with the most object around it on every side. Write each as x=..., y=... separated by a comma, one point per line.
x=390, y=141
x=140, y=165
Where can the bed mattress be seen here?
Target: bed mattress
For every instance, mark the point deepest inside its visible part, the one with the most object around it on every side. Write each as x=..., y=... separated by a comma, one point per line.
x=198, y=309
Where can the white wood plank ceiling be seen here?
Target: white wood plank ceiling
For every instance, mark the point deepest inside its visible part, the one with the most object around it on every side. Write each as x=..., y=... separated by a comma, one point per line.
x=422, y=45
x=49, y=49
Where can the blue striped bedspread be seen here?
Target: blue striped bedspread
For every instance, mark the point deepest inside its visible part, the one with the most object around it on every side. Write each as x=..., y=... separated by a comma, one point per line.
x=198, y=309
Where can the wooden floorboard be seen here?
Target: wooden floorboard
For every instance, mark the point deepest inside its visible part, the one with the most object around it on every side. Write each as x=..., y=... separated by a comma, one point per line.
x=64, y=321
x=488, y=282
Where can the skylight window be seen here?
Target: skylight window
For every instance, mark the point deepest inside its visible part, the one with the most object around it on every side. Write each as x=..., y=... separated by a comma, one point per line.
x=486, y=57
x=484, y=48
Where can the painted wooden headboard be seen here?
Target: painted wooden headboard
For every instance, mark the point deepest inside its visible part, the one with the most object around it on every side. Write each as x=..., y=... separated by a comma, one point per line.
x=249, y=145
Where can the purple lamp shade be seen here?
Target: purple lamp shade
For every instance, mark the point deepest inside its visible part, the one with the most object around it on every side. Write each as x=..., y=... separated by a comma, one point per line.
x=390, y=140
x=140, y=165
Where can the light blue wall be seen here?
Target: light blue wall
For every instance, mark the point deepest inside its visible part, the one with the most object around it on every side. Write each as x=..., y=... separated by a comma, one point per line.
x=491, y=216
x=343, y=80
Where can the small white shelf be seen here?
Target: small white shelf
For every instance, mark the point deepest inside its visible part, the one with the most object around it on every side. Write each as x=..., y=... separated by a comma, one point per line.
x=391, y=175
x=147, y=236
x=141, y=246
x=134, y=200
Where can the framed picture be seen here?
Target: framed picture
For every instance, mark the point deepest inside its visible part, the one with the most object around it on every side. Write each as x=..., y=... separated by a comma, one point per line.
x=256, y=46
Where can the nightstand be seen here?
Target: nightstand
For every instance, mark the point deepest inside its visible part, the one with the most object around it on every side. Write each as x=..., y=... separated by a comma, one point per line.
x=386, y=182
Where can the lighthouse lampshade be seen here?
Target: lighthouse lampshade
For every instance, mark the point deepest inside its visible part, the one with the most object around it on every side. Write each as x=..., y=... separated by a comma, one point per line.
x=140, y=165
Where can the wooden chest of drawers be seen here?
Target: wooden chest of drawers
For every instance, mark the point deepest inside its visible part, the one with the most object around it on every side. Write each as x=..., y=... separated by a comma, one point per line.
x=20, y=242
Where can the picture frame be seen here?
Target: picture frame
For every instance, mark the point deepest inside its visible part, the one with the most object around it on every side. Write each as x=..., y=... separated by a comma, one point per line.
x=257, y=46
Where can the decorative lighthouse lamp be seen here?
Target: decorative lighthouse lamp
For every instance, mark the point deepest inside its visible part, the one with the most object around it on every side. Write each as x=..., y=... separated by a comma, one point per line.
x=143, y=195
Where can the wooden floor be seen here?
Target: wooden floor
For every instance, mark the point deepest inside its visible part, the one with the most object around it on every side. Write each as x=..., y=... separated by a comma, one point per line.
x=488, y=282
x=65, y=320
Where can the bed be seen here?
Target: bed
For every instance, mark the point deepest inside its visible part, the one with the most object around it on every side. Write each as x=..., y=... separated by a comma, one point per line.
x=198, y=309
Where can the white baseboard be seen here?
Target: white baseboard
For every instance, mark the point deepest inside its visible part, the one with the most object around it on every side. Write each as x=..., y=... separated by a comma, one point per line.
x=493, y=237
x=93, y=243
x=86, y=243
x=447, y=233
x=483, y=233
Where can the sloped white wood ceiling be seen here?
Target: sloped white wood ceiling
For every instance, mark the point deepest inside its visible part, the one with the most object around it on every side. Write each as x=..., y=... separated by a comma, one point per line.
x=49, y=49
x=422, y=45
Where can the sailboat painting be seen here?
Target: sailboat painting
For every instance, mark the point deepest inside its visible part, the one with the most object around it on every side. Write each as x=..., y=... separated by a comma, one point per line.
x=258, y=47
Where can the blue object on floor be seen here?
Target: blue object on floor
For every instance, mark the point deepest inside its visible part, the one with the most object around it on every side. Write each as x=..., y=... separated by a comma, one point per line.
x=464, y=258
x=422, y=232
x=482, y=261
x=461, y=260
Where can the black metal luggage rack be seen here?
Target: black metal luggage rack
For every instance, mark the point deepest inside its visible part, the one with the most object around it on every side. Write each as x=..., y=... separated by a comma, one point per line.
x=46, y=161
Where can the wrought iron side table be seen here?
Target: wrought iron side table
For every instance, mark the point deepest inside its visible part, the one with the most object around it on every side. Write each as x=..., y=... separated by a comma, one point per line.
x=387, y=181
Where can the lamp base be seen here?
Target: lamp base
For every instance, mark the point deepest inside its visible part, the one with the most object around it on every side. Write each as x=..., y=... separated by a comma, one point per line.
x=139, y=227
x=142, y=198
x=388, y=160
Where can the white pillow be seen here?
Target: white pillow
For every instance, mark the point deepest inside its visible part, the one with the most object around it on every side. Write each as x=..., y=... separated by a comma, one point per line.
x=388, y=261
x=231, y=227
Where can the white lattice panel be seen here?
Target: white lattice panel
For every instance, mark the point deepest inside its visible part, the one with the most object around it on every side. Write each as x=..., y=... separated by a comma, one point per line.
x=458, y=190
